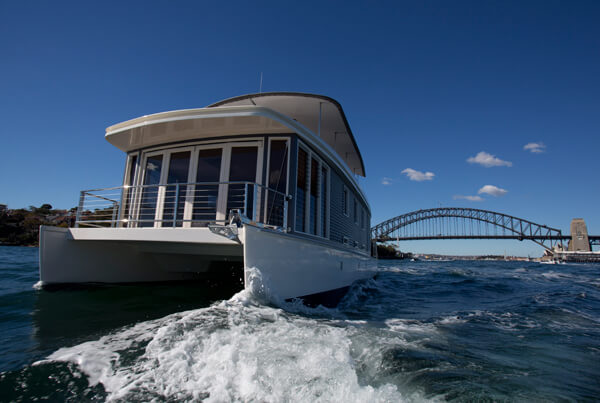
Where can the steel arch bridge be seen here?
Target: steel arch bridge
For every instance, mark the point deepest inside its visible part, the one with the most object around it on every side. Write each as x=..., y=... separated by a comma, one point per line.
x=464, y=223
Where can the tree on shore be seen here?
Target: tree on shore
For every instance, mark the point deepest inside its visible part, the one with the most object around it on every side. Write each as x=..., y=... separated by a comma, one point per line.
x=21, y=227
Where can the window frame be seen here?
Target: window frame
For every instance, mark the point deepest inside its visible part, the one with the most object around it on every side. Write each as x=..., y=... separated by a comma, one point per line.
x=362, y=217
x=310, y=155
x=346, y=201
x=288, y=141
x=128, y=194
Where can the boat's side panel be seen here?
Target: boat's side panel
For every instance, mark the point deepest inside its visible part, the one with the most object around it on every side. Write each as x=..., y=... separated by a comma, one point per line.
x=64, y=259
x=294, y=266
x=173, y=235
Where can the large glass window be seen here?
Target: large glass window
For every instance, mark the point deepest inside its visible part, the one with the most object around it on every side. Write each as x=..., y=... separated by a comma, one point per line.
x=324, y=201
x=311, y=194
x=242, y=168
x=150, y=194
x=277, y=180
x=175, y=194
x=129, y=193
x=362, y=218
x=205, y=194
x=301, y=190
x=132, y=167
x=314, y=195
x=345, y=201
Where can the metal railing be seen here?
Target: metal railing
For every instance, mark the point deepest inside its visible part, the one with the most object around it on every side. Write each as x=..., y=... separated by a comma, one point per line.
x=181, y=205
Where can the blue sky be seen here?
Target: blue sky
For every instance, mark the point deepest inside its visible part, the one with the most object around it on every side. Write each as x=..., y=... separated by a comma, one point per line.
x=425, y=86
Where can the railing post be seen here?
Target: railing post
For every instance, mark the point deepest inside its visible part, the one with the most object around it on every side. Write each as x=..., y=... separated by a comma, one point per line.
x=285, y=212
x=176, y=205
x=79, y=208
x=255, y=209
x=246, y=199
x=120, y=205
x=134, y=211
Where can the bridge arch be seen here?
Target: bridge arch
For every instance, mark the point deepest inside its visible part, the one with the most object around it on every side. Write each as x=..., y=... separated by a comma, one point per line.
x=517, y=228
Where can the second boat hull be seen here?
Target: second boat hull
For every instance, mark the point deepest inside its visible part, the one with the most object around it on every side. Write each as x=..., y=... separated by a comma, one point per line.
x=295, y=266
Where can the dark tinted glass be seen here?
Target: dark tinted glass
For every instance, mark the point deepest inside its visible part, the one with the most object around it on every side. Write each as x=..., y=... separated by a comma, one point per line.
x=206, y=195
x=301, y=190
x=277, y=181
x=242, y=168
x=175, y=194
x=150, y=194
x=209, y=165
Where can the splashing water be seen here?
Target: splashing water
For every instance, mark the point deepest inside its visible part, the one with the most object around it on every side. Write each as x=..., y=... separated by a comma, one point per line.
x=237, y=349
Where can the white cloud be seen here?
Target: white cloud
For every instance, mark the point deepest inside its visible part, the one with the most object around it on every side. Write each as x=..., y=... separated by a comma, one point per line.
x=535, y=147
x=488, y=160
x=386, y=181
x=418, y=176
x=492, y=190
x=469, y=198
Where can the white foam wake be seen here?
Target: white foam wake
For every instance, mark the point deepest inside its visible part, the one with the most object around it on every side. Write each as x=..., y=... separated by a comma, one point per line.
x=234, y=350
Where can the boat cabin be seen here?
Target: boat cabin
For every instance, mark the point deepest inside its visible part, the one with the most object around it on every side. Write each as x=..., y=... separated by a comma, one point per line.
x=286, y=161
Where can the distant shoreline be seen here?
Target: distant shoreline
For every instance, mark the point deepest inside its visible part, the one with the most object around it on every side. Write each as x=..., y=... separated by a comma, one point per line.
x=21, y=227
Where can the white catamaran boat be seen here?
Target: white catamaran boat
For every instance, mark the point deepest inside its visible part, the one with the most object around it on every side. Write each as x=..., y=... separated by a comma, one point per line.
x=262, y=181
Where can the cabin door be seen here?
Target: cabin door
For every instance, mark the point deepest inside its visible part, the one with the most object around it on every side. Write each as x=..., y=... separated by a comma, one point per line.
x=221, y=171
x=150, y=191
x=243, y=173
x=205, y=191
x=176, y=189
x=164, y=191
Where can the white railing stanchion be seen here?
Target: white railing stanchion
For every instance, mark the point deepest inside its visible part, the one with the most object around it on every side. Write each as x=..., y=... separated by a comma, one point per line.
x=176, y=205
x=246, y=199
x=255, y=208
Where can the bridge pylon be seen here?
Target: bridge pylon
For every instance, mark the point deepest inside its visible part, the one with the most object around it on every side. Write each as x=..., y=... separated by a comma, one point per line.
x=579, y=241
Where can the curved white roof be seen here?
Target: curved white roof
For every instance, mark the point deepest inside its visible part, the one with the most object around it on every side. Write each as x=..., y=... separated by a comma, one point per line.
x=320, y=114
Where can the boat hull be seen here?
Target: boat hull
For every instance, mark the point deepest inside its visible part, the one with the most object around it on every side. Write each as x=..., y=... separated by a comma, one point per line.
x=295, y=266
x=289, y=266
x=124, y=255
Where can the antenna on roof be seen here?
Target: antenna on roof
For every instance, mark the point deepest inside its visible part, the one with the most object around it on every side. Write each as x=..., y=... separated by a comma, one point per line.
x=260, y=87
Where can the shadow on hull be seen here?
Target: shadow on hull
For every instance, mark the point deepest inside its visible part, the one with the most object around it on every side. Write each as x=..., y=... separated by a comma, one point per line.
x=329, y=299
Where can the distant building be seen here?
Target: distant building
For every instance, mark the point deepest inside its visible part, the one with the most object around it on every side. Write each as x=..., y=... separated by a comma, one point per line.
x=3, y=208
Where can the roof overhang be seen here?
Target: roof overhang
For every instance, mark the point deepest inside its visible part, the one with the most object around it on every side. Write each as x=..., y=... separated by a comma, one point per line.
x=191, y=124
x=320, y=114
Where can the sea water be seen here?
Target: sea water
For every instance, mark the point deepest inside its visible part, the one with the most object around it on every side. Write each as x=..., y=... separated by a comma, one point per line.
x=418, y=331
